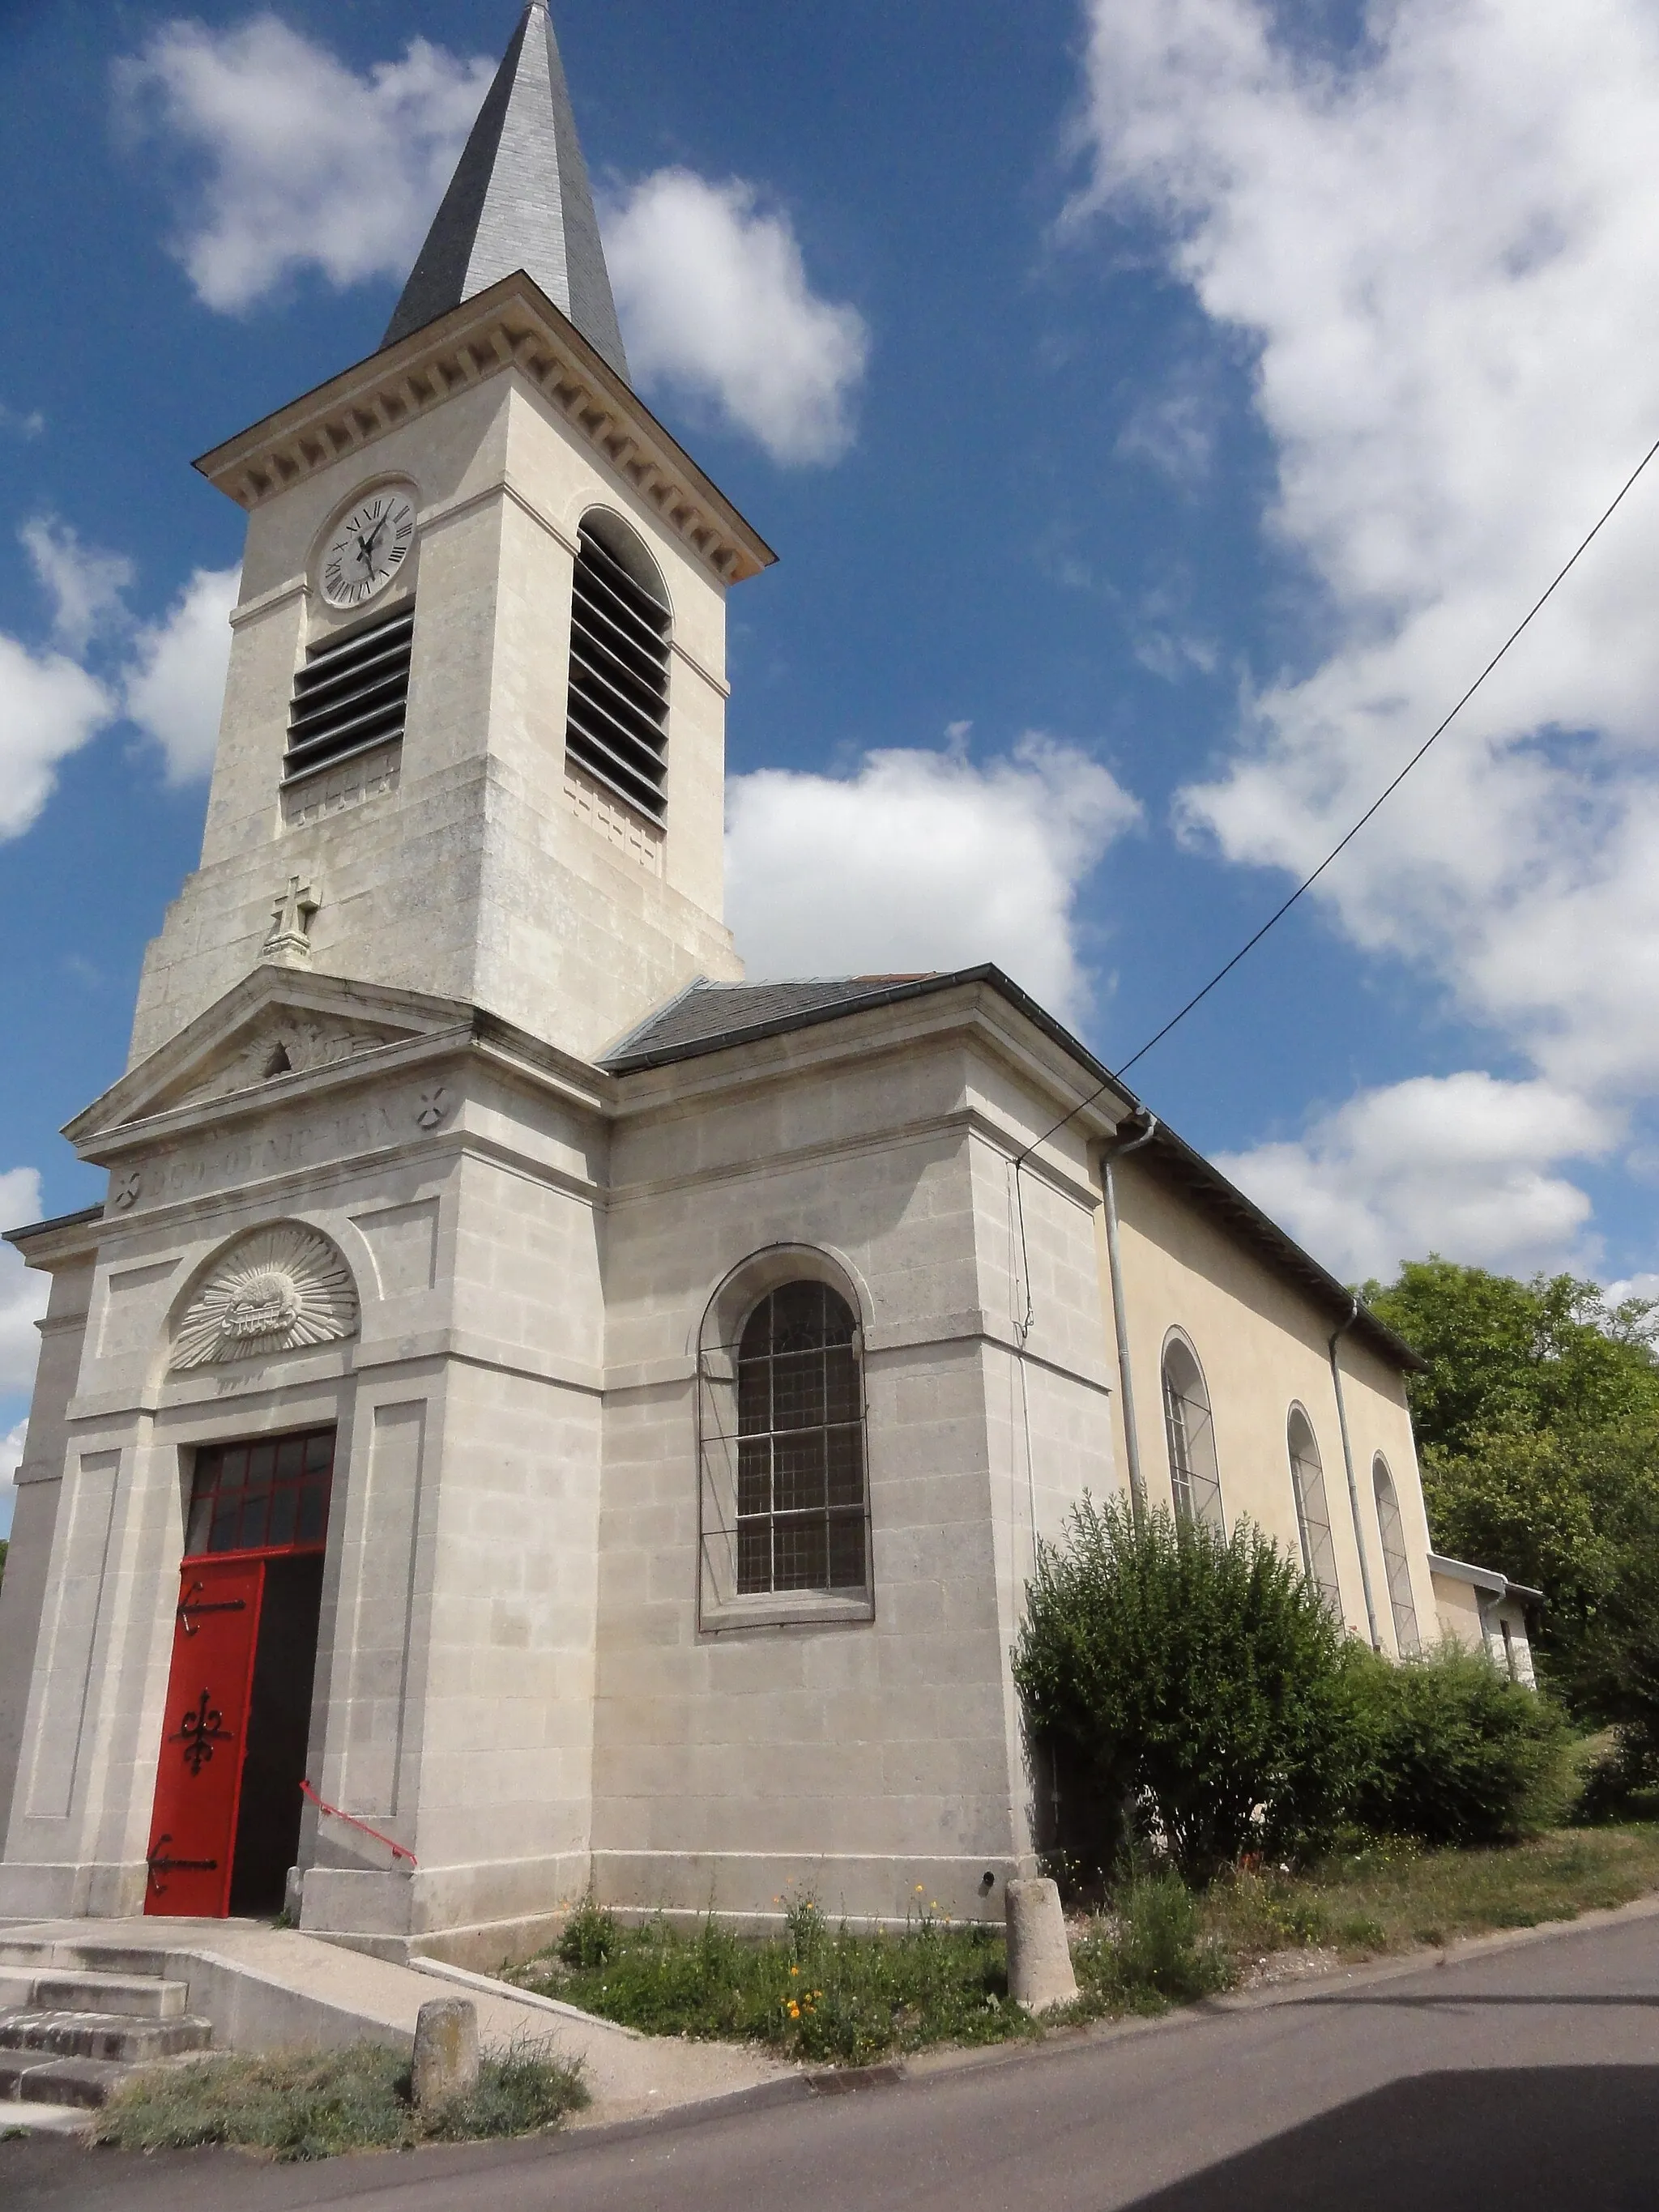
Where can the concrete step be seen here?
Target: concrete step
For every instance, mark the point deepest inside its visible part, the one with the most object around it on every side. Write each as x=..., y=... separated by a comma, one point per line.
x=72, y=1956
x=85, y=1988
x=102, y=2035
x=35, y=2077
x=36, y=2119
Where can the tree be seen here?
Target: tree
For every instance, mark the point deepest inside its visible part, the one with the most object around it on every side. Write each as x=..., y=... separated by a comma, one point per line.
x=1537, y=1422
x=1508, y=1356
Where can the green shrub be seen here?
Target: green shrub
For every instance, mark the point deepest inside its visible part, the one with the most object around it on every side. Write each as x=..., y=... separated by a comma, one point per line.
x=1453, y=1752
x=1150, y=1950
x=1621, y=1781
x=316, y=2104
x=1192, y=1685
x=589, y=1937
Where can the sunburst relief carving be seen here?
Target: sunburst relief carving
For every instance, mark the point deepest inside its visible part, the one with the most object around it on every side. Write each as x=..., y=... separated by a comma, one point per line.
x=279, y=1290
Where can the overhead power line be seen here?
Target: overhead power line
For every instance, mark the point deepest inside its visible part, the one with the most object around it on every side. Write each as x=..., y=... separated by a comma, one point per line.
x=1376, y=805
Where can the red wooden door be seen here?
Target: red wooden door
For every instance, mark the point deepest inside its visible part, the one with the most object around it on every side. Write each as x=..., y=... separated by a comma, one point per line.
x=198, y=1783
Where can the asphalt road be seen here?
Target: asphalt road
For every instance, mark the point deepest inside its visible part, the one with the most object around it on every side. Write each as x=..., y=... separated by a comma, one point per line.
x=1525, y=2079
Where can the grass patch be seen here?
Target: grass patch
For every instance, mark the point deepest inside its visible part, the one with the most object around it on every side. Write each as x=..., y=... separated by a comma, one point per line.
x=820, y=1994
x=826, y=1996
x=1152, y=1949
x=316, y=2104
x=1391, y=1896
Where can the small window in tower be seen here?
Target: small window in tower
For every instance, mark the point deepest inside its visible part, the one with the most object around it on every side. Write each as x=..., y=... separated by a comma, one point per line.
x=351, y=694
x=617, y=728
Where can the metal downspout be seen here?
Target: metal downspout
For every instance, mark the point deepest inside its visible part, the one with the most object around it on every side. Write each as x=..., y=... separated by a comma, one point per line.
x=1347, y=1462
x=1131, y=1437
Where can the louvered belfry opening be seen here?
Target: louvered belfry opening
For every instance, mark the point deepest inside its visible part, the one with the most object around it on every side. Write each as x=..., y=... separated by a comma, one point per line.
x=351, y=694
x=616, y=729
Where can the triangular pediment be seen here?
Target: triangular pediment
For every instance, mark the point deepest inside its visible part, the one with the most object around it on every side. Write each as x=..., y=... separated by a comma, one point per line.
x=277, y=1027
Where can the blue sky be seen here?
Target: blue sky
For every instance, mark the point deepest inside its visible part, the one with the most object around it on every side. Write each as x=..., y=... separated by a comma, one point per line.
x=1161, y=413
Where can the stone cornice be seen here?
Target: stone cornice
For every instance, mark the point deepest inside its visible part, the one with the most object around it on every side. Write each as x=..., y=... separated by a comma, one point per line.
x=513, y=325
x=250, y=610
x=450, y=510
x=859, y=1035
x=50, y=1245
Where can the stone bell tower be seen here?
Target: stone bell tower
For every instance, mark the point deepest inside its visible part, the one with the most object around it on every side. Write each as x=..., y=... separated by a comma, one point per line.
x=315, y=1451
x=429, y=775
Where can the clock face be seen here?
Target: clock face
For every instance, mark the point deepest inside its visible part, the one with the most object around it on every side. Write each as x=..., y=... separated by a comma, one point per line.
x=368, y=547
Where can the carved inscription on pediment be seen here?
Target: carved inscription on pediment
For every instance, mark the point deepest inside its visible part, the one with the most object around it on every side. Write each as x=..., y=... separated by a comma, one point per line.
x=286, y=1044
x=277, y=1148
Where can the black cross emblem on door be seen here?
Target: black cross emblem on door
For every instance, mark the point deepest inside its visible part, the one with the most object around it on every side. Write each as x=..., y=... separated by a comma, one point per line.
x=199, y=1731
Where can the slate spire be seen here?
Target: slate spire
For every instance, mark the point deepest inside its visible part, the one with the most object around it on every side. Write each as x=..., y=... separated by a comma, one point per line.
x=519, y=199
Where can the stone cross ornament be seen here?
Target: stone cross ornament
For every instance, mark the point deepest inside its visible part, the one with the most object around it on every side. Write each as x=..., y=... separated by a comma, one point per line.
x=288, y=943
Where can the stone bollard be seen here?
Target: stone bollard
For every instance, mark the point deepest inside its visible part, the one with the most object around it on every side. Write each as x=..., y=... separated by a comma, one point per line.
x=1039, y=1959
x=445, y=2051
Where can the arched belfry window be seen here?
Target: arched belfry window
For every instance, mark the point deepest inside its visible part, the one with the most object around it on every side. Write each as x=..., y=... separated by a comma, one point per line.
x=785, y=1523
x=1190, y=1429
x=1313, y=1514
x=1391, y=1531
x=616, y=725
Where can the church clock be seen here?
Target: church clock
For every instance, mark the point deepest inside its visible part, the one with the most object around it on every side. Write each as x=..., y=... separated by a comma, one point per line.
x=369, y=546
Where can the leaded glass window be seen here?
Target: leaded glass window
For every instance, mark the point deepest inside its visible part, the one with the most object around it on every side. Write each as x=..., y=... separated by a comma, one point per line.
x=1313, y=1514
x=1190, y=1429
x=800, y=1445
x=1392, y=1530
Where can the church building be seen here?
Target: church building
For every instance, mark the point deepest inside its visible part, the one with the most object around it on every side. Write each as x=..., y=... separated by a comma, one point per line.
x=533, y=1411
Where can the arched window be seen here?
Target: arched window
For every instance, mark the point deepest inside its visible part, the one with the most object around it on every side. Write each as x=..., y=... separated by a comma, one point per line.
x=1194, y=1475
x=1391, y=1529
x=616, y=725
x=800, y=1444
x=1313, y=1515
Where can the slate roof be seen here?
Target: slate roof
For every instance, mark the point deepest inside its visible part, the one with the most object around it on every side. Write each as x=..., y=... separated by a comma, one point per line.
x=709, y=1018
x=520, y=199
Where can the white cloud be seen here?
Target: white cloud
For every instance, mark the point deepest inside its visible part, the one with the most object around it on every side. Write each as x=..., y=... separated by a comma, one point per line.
x=923, y=860
x=175, y=681
x=49, y=708
x=1459, y=1164
x=85, y=584
x=22, y=1291
x=168, y=676
x=1175, y=430
x=305, y=163
x=1440, y=250
x=25, y=426
x=715, y=302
